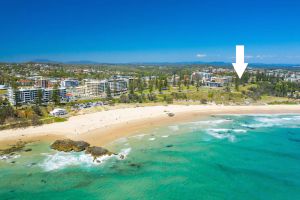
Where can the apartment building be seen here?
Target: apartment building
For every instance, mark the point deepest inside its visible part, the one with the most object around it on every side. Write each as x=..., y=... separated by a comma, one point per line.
x=116, y=85
x=69, y=83
x=30, y=95
x=95, y=87
x=199, y=76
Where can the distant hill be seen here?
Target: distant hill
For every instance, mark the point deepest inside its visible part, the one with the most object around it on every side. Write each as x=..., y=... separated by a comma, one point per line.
x=81, y=62
x=216, y=63
x=44, y=61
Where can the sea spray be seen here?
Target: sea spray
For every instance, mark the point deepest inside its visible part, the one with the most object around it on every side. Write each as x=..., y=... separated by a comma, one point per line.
x=61, y=160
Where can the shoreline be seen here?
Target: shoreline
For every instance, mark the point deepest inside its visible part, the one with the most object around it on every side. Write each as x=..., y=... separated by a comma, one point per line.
x=104, y=127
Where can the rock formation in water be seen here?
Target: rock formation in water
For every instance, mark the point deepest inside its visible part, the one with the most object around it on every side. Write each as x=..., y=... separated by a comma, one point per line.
x=97, y=151
x=68, y=145
x=19, y=146
x=171, y=114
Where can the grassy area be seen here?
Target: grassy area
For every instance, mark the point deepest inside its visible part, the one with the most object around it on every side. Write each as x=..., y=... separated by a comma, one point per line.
x=28, y=115
x=3, y=92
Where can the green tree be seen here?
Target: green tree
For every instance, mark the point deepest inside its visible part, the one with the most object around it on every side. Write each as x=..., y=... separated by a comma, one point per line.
x=131, y=87
x=150, y=86
x=55, y=95
x=237, y=83
x=6, y=110
x=108, y=92
x=39, y=98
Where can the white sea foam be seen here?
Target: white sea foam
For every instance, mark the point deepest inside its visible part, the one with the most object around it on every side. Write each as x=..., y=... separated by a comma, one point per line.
x=62, y=160
x=239, y=130
x=211, y=122
x=174, y=128
x=140, y=136
x=256, y=125
x=124, y=153
x=9, y=157
x=165, y=136
x=219, y=130
x=252, y=115
x=151, y=139
x=221, y=133
x=270, y=121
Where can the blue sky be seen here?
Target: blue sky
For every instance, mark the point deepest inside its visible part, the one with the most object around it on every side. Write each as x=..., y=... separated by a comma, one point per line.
x=149, y=31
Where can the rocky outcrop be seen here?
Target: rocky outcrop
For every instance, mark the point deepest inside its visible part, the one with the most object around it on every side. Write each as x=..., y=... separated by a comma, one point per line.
x=171, y=114
x=68, y=145
x=19, y=146
x=97, y=151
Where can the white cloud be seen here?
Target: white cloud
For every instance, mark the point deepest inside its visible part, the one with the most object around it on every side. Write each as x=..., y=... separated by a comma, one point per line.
x=199, y=55
x=264, y=56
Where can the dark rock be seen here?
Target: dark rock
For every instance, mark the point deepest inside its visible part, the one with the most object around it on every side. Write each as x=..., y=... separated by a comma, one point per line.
x=136, y=165
x=170, y=145
x=27, y=150
x=43, y=181
x=171, y=114
x=97, y=151
x=69, y=145
x=15, y=148
x=13, y=162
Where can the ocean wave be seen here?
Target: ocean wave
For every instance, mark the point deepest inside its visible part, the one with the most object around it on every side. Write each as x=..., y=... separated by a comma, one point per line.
x=151, y=139
x=271, y=121
x=140, y=136
x=62, y=160
x=278, y=120
x=256, y=125
x=124, y=153
x=255, y=115
x=211, y=122
x=174, y=128
x=239, y=130
x=165, y=136
x=221, y=133
x=9, y=157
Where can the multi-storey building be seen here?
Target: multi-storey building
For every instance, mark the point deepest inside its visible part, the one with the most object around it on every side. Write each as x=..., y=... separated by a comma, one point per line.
x=199, y=76
x=69, y=83
x=41, y=82
x=116, y=85
x=30, y=95
x=95, y=87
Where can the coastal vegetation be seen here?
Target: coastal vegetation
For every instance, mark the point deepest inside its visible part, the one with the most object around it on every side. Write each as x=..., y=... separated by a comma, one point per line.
x=151, y=85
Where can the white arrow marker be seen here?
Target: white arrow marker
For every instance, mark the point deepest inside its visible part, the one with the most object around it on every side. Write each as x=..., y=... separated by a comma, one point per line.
x=240, y=66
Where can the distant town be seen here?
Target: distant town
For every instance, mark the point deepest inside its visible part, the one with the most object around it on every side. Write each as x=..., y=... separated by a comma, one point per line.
x=38, y=92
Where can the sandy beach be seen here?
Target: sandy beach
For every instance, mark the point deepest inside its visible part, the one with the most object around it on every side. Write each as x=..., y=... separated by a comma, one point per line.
x=103, y=127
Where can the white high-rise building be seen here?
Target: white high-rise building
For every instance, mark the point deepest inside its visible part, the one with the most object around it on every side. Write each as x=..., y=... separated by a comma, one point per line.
x=30, y=95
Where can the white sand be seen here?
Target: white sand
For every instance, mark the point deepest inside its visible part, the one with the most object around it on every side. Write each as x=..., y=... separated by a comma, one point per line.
x=80, y=126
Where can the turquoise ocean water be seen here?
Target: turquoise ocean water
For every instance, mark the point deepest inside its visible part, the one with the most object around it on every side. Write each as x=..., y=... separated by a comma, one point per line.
x=219, y=157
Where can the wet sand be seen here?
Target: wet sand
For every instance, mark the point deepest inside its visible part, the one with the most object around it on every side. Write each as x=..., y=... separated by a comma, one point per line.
x=103, y=127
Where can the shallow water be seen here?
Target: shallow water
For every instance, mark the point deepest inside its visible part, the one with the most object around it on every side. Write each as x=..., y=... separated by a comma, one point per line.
x=221, y=157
